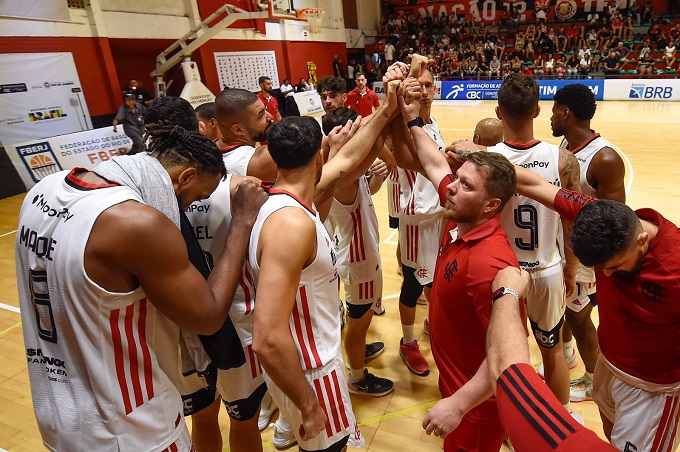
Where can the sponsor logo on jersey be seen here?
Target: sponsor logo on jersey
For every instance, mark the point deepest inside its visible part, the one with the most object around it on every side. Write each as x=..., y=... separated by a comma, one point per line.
x=41, y=203
x=198, y=207
x=42, y=247
x=53, y=366
x=421, y=273
x=535, y=164
x=630, y=447
x=525, y=264
x=233, y=411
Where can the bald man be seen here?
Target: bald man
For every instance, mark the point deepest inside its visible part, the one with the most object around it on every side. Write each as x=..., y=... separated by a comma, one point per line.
x=488, y=132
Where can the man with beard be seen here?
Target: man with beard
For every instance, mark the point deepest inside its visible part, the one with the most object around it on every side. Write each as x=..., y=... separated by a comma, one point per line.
x=636, y=257
x=243, y=121
x=362, y=98
x=269, y=101
x=473, y=249
x=602, y=176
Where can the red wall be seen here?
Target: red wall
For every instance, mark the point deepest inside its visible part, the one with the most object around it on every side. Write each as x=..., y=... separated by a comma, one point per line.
x=93, y=63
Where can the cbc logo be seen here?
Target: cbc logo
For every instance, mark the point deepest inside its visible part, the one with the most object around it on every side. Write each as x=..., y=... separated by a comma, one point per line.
x=473, y=95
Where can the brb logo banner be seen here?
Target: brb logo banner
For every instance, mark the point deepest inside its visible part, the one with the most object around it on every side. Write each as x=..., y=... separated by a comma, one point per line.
x=488, y=89
x=660, y=89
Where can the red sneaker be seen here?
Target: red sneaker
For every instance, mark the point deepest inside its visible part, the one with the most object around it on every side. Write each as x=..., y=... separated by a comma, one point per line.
x=414, y=360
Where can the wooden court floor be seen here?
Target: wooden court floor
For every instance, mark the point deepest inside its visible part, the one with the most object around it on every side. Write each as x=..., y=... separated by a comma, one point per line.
x=646, y=133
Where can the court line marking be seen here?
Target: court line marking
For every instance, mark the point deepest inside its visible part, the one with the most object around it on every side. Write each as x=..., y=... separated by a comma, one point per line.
x=398, y=413
x=7, y=330
x=391, y=236
x=8, y=233
x=9, y=307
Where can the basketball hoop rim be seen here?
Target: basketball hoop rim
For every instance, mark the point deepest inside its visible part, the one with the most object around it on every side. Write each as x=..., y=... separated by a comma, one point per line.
x=306, y=13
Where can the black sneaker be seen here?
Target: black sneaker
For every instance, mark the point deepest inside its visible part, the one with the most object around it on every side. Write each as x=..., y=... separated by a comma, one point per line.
x=373, y=350
x=370, y=385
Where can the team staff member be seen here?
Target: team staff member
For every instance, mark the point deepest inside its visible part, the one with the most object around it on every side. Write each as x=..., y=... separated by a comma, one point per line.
x=131, y=115
x=362, y=98
x=474, y=248
x=636, y=256
x=269, y=101
x=105, y=299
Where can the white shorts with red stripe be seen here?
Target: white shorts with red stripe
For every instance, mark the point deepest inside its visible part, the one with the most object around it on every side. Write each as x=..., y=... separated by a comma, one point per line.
x=643, y=420
x=240, y=383
x=330, y=385
x=368, y=292
x=579, y=298
x=419, y=237
x=183, y=444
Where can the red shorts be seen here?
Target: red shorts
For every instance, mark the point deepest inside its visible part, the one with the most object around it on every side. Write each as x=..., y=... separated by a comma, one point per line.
x=473, y=434
x=535, y=420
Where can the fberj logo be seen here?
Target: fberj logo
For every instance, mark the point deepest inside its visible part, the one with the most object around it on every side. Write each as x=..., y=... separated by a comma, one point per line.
x=39, y=159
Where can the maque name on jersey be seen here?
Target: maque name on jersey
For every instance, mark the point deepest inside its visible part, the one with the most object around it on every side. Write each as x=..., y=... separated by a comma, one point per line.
x=53, y=366
x=42, y=247
x=40, y=202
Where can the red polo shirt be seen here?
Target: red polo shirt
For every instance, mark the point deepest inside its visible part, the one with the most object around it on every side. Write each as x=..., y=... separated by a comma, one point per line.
x=362, y=103
x=271, y=104
x=639, y=319
x=460, y=304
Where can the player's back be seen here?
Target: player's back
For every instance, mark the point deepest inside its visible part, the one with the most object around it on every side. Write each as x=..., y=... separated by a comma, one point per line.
x=531, y=227
x=585, y=154
x=314, y=321
x=98, y=361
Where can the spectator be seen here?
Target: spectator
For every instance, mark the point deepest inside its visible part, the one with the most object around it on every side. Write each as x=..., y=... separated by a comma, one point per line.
x=586, y=65
x=389, y=53
x=605, y=37
x=131, y=115
x=483, y=67
x=572, y=66
x=675, y=32
x=550, y=65
x=527, y=70
x=495, y=67
x=517, y=64
x=302, y=86
x=617, y=26
x=560, y=69
x=338, y=68
x=562, y=40
x=592, y=19
x=541, y=15
x=645, y=63
x=287, y=92
x=572, y=37
x=634, y=12
x=622, y=53
x=654, y=34
x=648, y=13
x=539, y=65
x=669, y=54
x=611, y=64
x=135, y=88
x=627, y=34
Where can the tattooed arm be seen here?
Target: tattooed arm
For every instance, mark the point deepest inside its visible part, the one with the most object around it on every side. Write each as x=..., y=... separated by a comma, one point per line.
x=570, y=177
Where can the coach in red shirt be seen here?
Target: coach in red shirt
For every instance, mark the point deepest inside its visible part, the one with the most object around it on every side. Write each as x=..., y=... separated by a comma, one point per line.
x=362, y=98
x=474, y=248
x=269, y=101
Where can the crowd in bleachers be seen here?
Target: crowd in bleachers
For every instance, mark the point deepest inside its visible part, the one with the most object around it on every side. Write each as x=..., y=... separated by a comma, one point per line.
x=610, y=43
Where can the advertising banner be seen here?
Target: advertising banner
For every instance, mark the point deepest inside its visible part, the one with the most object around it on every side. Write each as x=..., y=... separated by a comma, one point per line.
x=40, y=96
x=488, y=89
x=636, y=89
x=492, y=10
x=378, y=88
x=34, y=160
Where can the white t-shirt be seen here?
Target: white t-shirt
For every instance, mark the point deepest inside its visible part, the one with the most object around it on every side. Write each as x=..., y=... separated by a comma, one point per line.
x=285, y=88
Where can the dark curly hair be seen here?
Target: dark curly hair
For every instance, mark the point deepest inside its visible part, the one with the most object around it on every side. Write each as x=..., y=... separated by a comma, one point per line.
x=294, y=141
x=337, y=117
x=579, y=99
x=332, y=85
x=603, y=229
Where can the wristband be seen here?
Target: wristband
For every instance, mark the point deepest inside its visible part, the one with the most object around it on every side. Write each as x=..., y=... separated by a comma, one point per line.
x=503, y=291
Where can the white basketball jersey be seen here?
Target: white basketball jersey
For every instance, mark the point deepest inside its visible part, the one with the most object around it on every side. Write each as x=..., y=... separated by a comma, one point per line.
x=393, y=193
x=211, y=219
x=237, y=157
x=532, y=228
x=356, y=237
x=98, y=361
x=314, y=322
x=423, y=198
x=585, y=154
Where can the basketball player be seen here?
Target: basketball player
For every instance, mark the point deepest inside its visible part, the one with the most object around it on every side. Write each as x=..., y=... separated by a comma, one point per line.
x=333, y=92
x=243, y=121
x=207, y=120
x=488, y=132
x=532, y=229
x=602, y=176
x=103, y=288
x=528, y=409
x=296, y=317
x=473, y=249
x=420, y=226
x=356, y=238
x=636, y=384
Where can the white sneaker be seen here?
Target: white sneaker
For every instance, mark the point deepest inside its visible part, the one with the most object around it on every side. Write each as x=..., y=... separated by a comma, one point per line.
x=266, y=413
x=283, y=435
x=581, y=389
x=578, y=418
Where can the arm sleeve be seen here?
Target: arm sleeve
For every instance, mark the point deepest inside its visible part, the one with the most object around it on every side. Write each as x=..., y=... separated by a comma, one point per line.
x=569, y=203
x=121, y=114
x=441, y=189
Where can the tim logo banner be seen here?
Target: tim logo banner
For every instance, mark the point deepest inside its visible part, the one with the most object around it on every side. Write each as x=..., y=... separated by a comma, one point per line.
x=39, y=159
